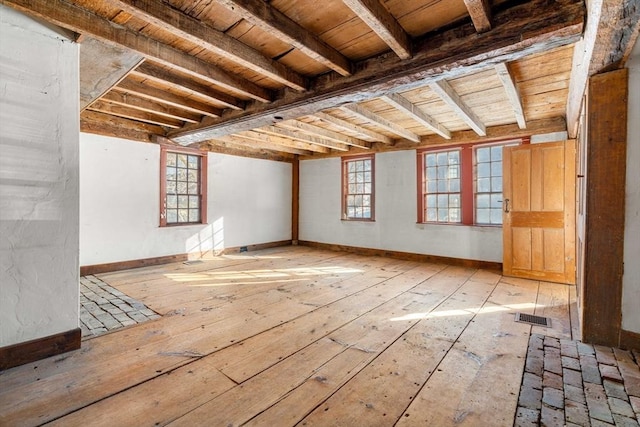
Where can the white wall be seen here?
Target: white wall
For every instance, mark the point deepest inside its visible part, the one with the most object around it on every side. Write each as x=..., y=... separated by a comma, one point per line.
x=631, y=277
x=38, y=180
x=249, y=202
x=395, y=227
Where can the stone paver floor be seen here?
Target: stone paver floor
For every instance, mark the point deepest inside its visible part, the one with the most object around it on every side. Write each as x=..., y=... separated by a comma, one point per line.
x=569, y=383
x=104, y=308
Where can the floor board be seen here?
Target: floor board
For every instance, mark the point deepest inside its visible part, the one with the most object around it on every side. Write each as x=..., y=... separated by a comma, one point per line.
x=295, y=335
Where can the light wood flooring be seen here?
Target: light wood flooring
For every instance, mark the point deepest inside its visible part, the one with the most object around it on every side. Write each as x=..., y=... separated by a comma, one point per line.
x=299, y=336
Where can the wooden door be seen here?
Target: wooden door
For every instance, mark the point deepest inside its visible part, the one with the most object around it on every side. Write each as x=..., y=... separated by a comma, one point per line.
x=539, y=211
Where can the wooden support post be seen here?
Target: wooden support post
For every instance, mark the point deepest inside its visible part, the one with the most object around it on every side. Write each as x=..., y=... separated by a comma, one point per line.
x=606, y=147
x=295, y=199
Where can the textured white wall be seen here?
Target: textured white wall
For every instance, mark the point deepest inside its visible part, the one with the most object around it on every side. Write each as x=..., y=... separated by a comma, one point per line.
x=631, y=277
x=38, y=180
x=395, y=227
x=249, y=202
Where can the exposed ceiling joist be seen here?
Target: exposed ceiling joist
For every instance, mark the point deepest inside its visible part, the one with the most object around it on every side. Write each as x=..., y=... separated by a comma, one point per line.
x=134, y=114
x=416, y=114
x=444, y=90
x=610, y=34
x=262, y=15
x=521, y=30
x=200, y=33
x=509, y=84
x=158, y=74
x=104, y=124
x=374, y=14
x=148, y=92
x=285, y=133
x=70, y=16
x=380, y=121
x=245, y=150
x=480, y=13
x=362, y=131
x=324, y=133
x=282, y=141
x=255, y=143
x=149, y=106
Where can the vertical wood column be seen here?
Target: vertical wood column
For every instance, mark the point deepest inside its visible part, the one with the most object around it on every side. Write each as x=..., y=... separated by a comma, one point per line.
x=295, y=200
x=606, y=145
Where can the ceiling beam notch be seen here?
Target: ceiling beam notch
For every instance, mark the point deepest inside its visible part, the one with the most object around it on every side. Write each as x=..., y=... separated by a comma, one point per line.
x=378, y=18
x=401, y=103
x=444, y=90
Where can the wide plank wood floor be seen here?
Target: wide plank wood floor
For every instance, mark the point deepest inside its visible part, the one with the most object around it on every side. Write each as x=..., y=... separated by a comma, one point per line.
x=298, y=336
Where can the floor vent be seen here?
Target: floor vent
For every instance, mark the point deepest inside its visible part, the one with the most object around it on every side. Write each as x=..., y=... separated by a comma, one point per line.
x=533, y=320
x=195, y=261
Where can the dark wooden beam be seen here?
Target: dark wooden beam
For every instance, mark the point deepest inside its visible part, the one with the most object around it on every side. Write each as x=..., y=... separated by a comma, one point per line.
x=263, y=15
x=610, y=33
x=521, y=30
x=480, y=13
x=606, y=159
x=117, y=127
x=70, y=16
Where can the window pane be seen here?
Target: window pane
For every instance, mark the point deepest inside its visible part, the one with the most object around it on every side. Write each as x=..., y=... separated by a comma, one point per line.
x=454, y=171
x=431, y=201
x=496, y=216
x=366, y=200
x=443, y=159
x=496, y=184
x=194, y=215
x=483, y=216
x=193, y=162
x=367, y=188
x=484, y=185
x=496, y=153
x=432, y=214
x=182, y=160
x=172, y=215
x=182, y=175
x=183, y=201
x=482, y=155
x=496, y=168
x=454, y=200
x=171, y=159
x=454, y=157
x=183, y=215
x=484, y=170
x=181, y=188
x=443, y=200
x=496, y=200
x=454, y=215
x=172, y=202
x=442, y=186
x=351, y=167
x=192, y=175
x=431, y=173
x=454, y=185
x=192, y=188
x=367, y=165
x=443, y=215
x=432, y=186
x=430, y=160
x=442, y=172
x=194, y=201
x=483, y=201
x=171, y=173
x=171, y=187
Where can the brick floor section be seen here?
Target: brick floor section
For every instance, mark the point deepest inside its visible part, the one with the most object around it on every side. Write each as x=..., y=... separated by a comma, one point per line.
x=569, y=383
x=104, y=308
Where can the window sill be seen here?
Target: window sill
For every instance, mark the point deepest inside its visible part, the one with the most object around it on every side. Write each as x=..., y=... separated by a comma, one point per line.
x=357, y=220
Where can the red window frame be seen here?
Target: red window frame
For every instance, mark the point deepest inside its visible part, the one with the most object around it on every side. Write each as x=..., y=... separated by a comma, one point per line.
x=202, y=183
x=345, y=187
x=467, y=177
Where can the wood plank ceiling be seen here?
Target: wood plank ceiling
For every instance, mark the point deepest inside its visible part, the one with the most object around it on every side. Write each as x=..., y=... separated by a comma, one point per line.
x=280, y=78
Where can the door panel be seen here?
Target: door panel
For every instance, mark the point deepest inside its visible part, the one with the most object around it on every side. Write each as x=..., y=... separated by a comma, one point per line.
x=539, y=211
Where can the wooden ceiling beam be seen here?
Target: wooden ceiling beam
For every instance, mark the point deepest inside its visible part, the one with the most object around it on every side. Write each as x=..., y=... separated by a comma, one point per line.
x=70, y=16
x=324, y=133
x=509, y=84
x=416, y=114
x=263, y=15
x=444, y=90
x=254, y=143
x=201, y=34
x=611, y=32
x=154, y=94
x=380, y=121
x=104, y=124
x=149, y=106
x=285, y=133
x=134, y=114
x=480, y=12
x=348, y=126
x=158, y=74
x=287, y=142
x=523, y=29
x=378, y=18
x=242, y=150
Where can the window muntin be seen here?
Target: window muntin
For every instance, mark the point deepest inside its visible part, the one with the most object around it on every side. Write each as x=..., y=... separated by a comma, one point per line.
x=358, y=188
x=488, y=185
x=442, y=186
x=183, y=184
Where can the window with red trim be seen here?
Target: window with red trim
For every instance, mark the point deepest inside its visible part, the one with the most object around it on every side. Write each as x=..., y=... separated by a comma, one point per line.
x=183, y=186
x=358, y=185
x=461, y=184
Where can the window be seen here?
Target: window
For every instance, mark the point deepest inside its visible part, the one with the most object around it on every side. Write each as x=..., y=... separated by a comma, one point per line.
x=461, y=185
x=183, y=186
x=358, y=188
